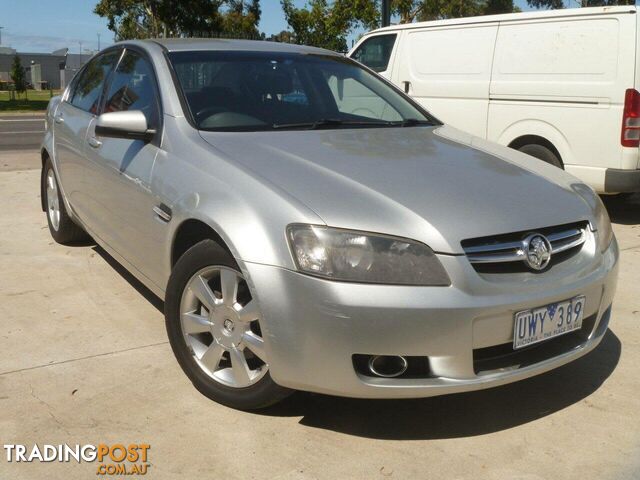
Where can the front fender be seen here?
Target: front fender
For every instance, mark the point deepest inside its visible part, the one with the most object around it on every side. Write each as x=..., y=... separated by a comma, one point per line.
x=248, y=213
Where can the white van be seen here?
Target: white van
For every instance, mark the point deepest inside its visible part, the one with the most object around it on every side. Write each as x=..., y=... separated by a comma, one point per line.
x=560, y=85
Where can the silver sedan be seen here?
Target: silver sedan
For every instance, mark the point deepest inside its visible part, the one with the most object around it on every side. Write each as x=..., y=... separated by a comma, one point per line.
x=310, y=227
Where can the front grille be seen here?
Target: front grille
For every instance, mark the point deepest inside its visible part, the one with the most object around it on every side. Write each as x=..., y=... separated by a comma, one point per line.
x=504, y=357
x=505, y=253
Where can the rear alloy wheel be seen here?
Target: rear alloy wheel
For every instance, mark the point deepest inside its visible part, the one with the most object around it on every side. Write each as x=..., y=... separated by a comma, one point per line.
x=53, y=200
x=62, y=228
x=213, y=323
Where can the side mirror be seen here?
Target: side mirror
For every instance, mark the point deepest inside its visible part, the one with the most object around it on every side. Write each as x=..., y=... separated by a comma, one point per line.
x=130, y=124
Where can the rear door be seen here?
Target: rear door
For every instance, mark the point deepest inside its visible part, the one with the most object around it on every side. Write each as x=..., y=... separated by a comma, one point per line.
x=120, y=169
x=72, y=119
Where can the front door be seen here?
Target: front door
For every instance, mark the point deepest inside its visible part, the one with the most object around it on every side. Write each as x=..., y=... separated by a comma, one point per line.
x=121, y=169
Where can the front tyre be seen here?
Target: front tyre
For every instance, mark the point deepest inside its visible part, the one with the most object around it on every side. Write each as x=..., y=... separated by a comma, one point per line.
x=213, y=324
x=62, y=228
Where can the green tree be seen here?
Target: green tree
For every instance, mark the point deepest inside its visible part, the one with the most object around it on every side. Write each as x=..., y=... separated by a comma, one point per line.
x=155, y=18
x=326, y=25
x=132, y=18
x=421, y=10
x=241, y=20
x=283, y=37
x=18, y=75
x=494, y=7
x=583, y=3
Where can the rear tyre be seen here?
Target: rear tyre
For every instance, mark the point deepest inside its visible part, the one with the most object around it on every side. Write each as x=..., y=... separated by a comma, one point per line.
x=62, y=228
x=542, y=153
x=213, y=324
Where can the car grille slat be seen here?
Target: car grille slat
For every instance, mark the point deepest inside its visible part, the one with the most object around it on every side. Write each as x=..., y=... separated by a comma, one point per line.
x=503, y=249
x=492, y=257
x=567, y=243
x=492, y=248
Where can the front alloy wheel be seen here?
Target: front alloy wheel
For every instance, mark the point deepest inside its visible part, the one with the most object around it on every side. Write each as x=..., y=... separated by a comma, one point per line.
x=220, y=324
x=214, y=327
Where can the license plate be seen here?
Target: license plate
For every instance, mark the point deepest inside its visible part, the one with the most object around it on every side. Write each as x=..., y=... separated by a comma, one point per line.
x=542, y=323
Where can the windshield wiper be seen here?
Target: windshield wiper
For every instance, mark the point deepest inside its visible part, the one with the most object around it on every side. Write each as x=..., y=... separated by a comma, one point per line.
x=329, y=122
x=336, y=122
x=410, y=122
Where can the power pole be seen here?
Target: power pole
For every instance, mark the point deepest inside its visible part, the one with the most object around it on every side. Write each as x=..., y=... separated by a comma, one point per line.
x=1, y=35
x=80, y=53
x=386, y=13
x=98, y=42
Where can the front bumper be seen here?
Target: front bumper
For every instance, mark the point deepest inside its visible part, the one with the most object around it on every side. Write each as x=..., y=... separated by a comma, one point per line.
x=313, y=327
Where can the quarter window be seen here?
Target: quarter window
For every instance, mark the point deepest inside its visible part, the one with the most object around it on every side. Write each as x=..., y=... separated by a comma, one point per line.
x=88, y=89
x=375, y=52
x=133, y=88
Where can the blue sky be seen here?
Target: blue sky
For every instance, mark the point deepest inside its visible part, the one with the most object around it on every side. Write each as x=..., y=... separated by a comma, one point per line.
x=30, y=26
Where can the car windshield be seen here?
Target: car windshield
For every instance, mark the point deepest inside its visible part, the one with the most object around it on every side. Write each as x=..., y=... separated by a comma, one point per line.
x=249, y=91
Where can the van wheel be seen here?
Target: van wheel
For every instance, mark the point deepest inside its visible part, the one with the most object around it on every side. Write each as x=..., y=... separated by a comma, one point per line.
x=62, y=228
x=214, y=327
x=542, y=153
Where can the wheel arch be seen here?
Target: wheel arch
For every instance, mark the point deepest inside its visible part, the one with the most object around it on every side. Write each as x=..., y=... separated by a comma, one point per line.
x=190, y=232
x=520, y=142
x=538, y=132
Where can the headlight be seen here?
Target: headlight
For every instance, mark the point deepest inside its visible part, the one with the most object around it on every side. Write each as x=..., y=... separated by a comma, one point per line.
x=352, y=256
x=602, y=224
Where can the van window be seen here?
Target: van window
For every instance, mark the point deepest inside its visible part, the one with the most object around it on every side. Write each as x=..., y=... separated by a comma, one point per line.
x=375, y=52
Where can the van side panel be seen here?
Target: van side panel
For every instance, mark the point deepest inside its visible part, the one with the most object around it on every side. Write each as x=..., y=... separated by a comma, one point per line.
x=565, y=80
x=449, y=70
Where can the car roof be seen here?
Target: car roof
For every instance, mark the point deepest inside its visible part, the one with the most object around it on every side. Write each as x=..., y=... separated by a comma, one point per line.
x=223, y=44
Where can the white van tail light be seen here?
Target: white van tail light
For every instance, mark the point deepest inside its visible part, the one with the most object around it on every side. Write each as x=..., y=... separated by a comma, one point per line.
x=631, y=119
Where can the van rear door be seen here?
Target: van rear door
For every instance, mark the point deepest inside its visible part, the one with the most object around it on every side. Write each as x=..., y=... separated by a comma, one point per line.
x=564, y=79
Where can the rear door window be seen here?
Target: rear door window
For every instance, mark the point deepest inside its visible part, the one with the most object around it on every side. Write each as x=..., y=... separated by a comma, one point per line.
x=375, y=52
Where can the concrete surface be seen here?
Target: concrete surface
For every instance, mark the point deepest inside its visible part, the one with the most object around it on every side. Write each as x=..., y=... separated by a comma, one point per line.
x=17, y=160
x=21, y=132
x=84, y=359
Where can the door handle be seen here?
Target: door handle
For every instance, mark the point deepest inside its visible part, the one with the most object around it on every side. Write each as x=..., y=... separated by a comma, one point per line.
x=58, y=119
x=407, y=86
x=94, y=142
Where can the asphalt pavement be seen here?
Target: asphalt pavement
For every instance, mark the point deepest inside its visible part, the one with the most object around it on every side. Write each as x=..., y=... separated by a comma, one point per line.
x=21, y=132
